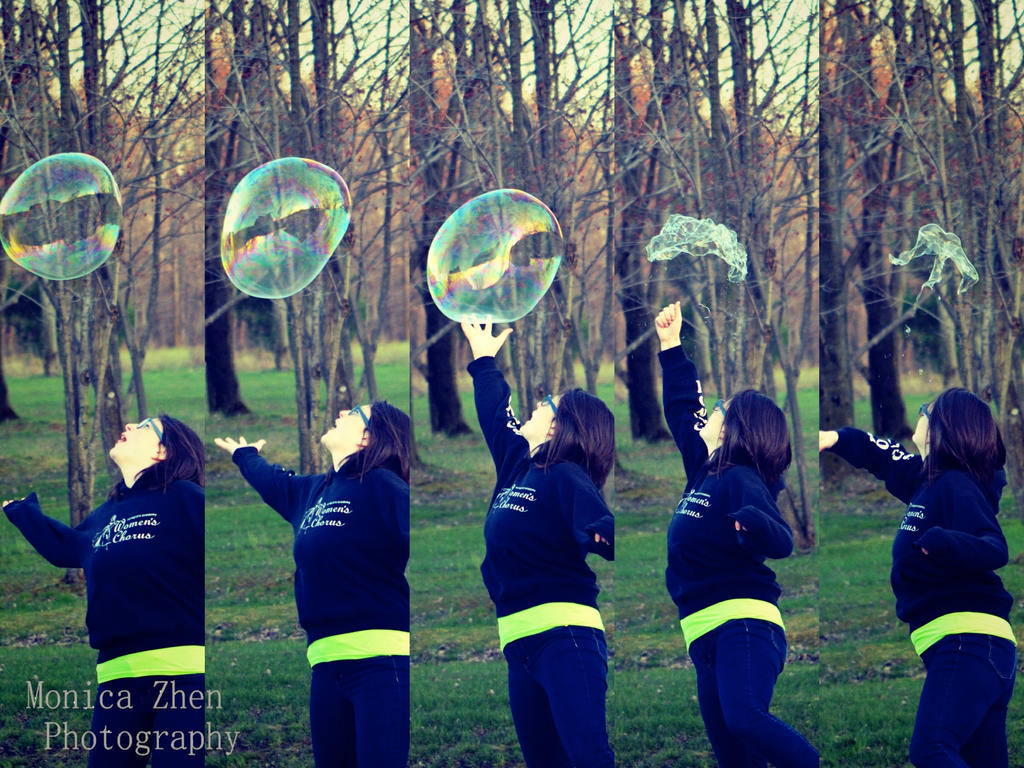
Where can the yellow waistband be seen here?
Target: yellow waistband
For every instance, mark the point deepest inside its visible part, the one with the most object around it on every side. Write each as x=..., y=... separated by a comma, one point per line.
x=358, y=645
x=960, y=623
x=715, y=615
x=178, y=660
x=540, y=618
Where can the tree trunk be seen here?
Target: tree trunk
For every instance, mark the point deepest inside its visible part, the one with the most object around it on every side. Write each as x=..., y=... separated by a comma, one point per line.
x=6, y=411
x=442, y=391
x=835, y=383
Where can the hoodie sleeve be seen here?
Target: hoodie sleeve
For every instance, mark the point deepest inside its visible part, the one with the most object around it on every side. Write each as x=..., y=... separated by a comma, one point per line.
x=972, y=541
x=684, y=407
x=493, y=399
x=280, y=488
x=60, y=544
x=763, y=532
x=588, y=512
x=885, y=459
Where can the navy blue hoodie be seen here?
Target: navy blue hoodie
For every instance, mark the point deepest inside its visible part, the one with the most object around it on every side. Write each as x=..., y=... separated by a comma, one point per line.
x=540, y=525
x=708, y=559
x=144, y=560
x=351, y=543
x=954, y=519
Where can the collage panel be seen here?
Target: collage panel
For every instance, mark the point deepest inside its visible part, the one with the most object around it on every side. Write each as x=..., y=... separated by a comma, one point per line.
x=717, y=268
x=307, y=379
x=512, y=531
x=101, y=337
x=921, y=375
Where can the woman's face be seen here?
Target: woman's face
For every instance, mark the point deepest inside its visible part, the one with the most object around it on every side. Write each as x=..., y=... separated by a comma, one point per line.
x=141, y=442
x=712, y=432
x=540, y=426
x=349, y=433
x=920, y=437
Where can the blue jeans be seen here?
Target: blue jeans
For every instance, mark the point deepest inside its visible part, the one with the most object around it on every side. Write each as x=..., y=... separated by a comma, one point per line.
x=144, y=731
x=359, y=713
x=557, y=681
x=961, y=720
x=737, y=665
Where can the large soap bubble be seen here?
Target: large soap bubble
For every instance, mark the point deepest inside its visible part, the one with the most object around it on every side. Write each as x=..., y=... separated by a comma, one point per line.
x=932, y=240
x=61, y=216
x=699, y=237
x=495, y=257
x=282, y=223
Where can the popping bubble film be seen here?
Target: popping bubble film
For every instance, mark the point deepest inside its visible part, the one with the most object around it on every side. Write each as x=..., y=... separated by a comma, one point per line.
x=699, y=237
x=282, y=223
x=61, y=217
x=935, y=241
x=495, y=257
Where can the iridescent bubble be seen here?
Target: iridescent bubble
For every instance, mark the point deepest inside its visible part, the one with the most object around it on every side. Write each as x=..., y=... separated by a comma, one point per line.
x=699, y=237
x=282, y=223
x=495, y=257
x=61, y=217
x=932, y=240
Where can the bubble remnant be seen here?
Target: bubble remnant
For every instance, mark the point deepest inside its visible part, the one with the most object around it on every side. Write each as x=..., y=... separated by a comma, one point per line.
x=699, y=237
x=282, y=223
x=935, y=241
x=61, y=217
x=495, y=257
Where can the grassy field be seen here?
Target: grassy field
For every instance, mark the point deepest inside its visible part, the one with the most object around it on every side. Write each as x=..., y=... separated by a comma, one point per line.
x=851, y=682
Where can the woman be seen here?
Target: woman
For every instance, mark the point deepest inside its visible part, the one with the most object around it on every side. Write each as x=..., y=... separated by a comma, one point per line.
x=546, y=515
x=351, y=548
x=724, y=527
x=143, y=556
x=944, y=558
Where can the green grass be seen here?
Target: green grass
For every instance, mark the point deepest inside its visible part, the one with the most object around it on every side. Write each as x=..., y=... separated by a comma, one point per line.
x=853, y=692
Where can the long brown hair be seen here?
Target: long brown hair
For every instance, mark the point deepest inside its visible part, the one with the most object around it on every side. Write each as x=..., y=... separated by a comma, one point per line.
x=756, y=436
x=388, y=446
x=584, y=434
x=963, y=435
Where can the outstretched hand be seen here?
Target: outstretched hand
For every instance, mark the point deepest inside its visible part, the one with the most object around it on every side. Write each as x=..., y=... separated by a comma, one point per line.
x=481, y=341
x=669, y=324
x=231, y=445
x=827, y=439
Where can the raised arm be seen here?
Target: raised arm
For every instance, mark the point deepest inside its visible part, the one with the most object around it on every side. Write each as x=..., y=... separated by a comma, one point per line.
x=681, y=391
x=60, y=544
x=493, y=398
x=278, y=487
x=885, y=459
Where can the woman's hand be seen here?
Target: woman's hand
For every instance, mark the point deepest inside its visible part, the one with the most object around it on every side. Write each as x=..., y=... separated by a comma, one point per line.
x=481, y=341
x=231, y=445
x=669, y=324
x=599, y=539
x=827, y=439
